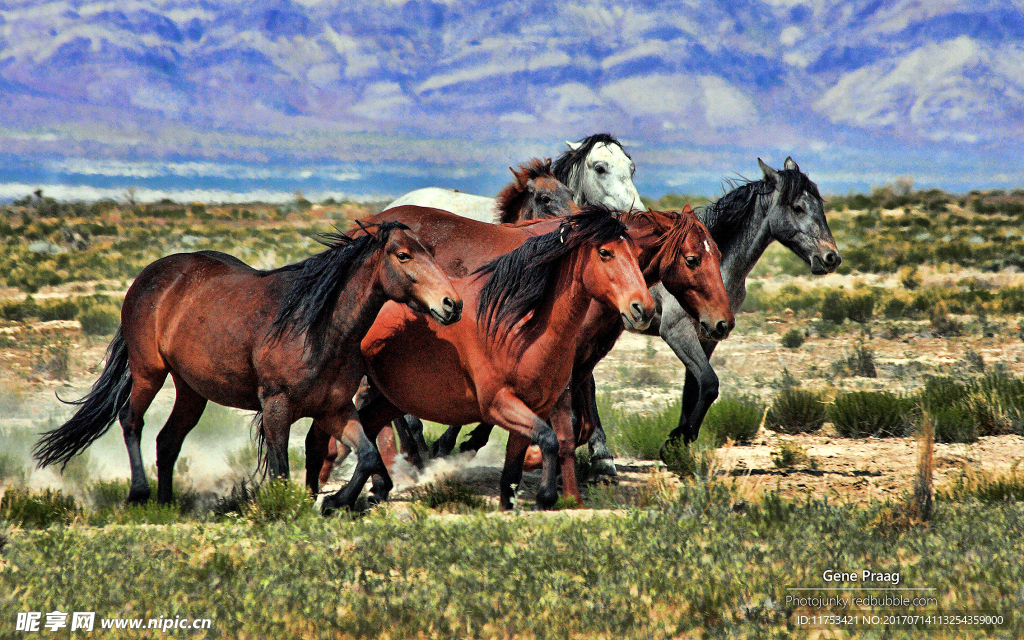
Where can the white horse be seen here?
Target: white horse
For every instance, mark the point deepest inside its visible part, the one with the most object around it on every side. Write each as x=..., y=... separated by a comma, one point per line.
x=596, y=169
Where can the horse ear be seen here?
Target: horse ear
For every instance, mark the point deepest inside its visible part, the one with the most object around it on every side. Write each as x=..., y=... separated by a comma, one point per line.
x=573, y=145
x=790, y=164
x=768, y=172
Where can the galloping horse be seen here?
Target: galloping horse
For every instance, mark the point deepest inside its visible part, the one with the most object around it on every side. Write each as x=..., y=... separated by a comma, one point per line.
x=784, y=205
x=282, y=342
x=511, y=360
x=672, y=248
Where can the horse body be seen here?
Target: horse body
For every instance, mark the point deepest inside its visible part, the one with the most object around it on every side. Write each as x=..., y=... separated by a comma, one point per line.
x=472, y=206
x=784, y=206
x=284, y=342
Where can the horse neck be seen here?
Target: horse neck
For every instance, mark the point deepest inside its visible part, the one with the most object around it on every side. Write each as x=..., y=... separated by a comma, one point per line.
x=742, y=243
x=558, y=322
x=646, y=237
x=359, y=302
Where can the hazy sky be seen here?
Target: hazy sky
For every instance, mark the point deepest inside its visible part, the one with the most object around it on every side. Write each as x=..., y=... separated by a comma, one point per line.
x=208, y=97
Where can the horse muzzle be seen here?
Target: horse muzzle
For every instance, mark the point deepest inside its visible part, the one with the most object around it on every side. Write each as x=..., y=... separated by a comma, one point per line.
x=638, y=317
x=825, y=262
x=717, y=330
x=449, y=312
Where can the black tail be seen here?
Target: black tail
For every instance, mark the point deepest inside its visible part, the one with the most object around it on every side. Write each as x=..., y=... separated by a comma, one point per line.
x=97, y=410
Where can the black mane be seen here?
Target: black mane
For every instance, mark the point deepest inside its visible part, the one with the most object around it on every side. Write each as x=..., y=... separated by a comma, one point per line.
x=313, y=292
x=522, y=279
x=740, y=202
x=568, y=166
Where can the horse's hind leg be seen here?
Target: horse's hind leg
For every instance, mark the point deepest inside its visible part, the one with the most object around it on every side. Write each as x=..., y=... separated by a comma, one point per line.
x=145, y=385
x=444, y=445
x=368, y=463
x=188, y=408
x=477, y=439
x=276, y=423
x=409, y=429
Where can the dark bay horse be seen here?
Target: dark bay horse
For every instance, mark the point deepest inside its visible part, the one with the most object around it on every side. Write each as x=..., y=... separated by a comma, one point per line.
x=510, y=360
x=284, y=343
x=673, y=248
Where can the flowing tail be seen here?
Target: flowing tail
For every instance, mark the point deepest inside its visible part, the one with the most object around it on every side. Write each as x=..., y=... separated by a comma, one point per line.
x=97, y=410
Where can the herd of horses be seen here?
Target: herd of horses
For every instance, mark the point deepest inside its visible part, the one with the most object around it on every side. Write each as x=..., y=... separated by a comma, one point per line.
x=447, y=307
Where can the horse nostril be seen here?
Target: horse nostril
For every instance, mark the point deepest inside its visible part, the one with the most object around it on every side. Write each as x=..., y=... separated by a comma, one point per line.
x=722, y=328
x=832, y=259
x=638, y=310
x=448, y=304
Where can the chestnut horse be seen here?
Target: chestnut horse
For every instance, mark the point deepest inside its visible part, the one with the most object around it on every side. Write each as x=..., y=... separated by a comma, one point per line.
x=284, y=343
x=511, y=360
x=674, y=248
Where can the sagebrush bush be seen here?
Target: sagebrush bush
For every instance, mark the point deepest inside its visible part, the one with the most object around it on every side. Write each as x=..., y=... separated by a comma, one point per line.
x=732, y=417
x=860, y=414
x=985, y=486
x=795, y=410
x=861, y=307
x=448, y=492
x=641, y=434
x=690, y=460
x=28, y=509
x=793, y=338
x=833, y=307
x=790, y=454
x=279, y=500
x=101, y=320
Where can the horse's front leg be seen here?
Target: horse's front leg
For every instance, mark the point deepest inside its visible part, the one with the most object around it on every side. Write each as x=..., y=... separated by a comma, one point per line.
x=511, y=413
x=584, y=402
x=561, y=422
x=701, y=386
x=345, y=426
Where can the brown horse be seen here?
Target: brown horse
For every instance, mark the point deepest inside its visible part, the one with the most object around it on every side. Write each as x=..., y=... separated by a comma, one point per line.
x=676, y=250
x=510, y=361
x=673, y=248
x=535, y=193
x=284, y=343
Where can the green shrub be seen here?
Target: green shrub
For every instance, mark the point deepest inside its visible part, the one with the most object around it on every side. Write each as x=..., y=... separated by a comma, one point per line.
x=789, y=454
x=279, y=500
x=861, y=308
x=833, y=307
x=37, y=510
x=63, y=310
x=985, y=486
x=641, y=434
x=690, y=460
x=793, y=339
x=894, y=308
x=100, y=320
x=796, y=410
x=736, y=418
x=859, y=364
x=104, y=494
x=869, y=413
x=447, y=492
x=954, y=424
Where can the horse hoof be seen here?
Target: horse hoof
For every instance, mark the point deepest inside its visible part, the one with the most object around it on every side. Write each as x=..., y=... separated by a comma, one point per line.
x=138, y=497
x=547, y=499
x=603, y=471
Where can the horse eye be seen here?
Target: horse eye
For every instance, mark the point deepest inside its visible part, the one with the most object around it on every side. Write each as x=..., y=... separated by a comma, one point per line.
x=403, y=256
x=545, y=199
x=600, y=169
x=692, y=261
x=604, y=253
x=798, y=208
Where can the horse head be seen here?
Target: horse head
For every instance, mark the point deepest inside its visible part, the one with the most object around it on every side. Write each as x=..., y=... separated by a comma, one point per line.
x=611, y=274
x=599, y=172
x=796, y=217
x=535, y=193
x=409, y=274
x=685, y=259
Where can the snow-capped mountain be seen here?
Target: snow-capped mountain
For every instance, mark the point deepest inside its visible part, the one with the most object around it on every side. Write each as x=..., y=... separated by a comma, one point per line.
x=432, y=89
